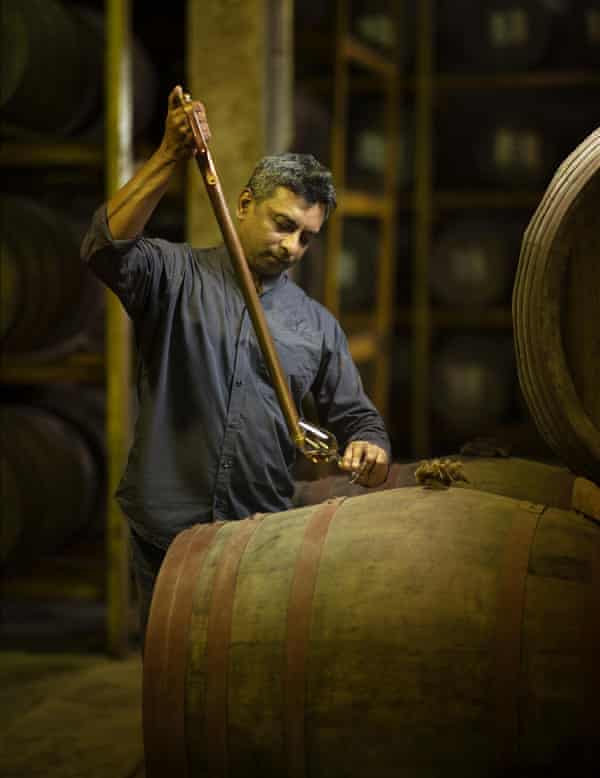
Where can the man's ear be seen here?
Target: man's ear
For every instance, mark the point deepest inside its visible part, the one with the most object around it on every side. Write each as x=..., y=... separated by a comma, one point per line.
x=244, y=201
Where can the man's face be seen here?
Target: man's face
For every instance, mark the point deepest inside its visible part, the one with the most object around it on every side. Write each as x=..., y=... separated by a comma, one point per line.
x=276, y=232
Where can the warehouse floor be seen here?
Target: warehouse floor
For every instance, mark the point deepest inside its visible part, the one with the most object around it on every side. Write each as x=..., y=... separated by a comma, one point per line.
x=66, y=710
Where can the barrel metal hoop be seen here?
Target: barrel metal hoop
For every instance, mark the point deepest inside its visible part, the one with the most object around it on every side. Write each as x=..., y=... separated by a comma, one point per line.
x=218, y=641
x=298, y=635
x=508, y=638
x=165, y=653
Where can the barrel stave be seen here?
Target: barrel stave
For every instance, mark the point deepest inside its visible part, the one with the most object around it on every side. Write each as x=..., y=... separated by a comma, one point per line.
x=258, y=651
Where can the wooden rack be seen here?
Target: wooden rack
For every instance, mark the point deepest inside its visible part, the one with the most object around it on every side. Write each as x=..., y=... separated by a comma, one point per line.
x=369, y=347
x=426, y=202
x=79, y=579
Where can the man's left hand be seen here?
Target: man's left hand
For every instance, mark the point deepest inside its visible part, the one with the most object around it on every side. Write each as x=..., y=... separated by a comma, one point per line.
x=367, y=459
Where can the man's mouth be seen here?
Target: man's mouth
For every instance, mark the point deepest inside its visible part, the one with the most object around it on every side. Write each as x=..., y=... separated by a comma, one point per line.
x=286, y=261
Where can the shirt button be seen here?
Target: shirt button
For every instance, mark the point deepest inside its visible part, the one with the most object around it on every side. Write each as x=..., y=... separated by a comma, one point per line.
x=226, y=464
x=238, y=382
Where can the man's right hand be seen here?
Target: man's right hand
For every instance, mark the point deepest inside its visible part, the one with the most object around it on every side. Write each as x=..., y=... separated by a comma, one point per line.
x=178, y=142
x=132, y=205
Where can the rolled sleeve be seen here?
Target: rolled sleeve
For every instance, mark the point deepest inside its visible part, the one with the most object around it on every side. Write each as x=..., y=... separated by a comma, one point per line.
x=99, y=237
x=136, y=270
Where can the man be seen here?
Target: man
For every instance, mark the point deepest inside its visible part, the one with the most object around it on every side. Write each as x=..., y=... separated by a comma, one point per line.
x=210, y=440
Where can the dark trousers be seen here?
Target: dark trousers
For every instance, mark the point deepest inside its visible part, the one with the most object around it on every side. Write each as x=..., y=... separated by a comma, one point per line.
x=146, y=560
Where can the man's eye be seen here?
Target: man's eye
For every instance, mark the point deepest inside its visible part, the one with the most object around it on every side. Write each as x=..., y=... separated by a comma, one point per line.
x=285, y=225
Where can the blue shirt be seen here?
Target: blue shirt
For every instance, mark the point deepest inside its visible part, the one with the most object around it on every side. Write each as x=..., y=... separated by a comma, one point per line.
x=210, y=439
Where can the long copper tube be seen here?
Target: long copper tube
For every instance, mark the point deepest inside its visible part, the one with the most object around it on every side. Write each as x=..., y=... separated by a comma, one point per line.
x=236, y=252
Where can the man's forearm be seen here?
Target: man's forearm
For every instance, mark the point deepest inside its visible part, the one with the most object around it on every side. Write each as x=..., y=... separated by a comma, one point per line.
x=132, y=206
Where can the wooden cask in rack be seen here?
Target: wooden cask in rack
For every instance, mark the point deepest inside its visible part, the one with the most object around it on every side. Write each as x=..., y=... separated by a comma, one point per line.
x=585, y=31
x=514, y=152
x=474, y=260
x=52, y=470
x=367, y=150
x=409, y=632
x=51, y=77
x=48, y=297
x=510, y=143
x=493, y=34
x=51, y=81
x=556, y=312
x=576, y=39
x=473, y=379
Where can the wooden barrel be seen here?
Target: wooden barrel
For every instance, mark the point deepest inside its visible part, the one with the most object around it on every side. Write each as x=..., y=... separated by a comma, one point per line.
x=53, y=481
x=521, y=479
x=411, y=632
x=585, y=31
x=510, y=143
x=472, y=381
x=312, y=125
x=9, y=289
x=50, y=296
x=387, y=26
x=576, y=42
x=556, y=310
x=514, y=152
x=51, y=78
x=493, y=34
x=366, y=145
x=358, y=263
x=373, y=23
x=474, y=261
x=145, y=86
x=53, y=68
x=367, y=150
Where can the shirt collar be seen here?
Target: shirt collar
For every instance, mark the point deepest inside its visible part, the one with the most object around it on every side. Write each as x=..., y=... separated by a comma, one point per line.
x=274, y=282
x=269, y=284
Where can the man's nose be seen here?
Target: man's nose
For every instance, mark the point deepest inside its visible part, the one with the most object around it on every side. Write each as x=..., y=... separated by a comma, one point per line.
x=291, y=244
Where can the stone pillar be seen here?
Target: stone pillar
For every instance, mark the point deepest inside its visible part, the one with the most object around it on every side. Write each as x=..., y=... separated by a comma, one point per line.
x=237, y=56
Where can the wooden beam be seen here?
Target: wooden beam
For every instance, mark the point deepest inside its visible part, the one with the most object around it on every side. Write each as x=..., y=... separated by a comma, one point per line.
x=361, y=54
x=422, y=225
x=119, y=168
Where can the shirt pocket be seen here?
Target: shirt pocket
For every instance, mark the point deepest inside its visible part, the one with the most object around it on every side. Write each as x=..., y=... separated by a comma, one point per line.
x=299, y=352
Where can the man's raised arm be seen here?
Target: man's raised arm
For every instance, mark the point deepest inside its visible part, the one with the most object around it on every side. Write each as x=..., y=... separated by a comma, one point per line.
x=132, y=206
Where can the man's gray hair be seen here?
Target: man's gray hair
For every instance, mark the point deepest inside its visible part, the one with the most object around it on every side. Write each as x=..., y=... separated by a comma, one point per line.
x=303, y=174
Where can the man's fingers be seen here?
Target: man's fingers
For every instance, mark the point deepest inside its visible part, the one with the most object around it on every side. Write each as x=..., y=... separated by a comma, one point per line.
x=180, y=103
x=381, y=458
x=367, y=461
x=357, y=457
x=360, y=454
x=176, y=97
